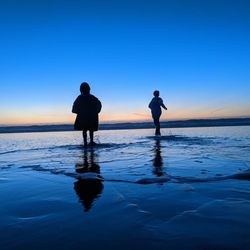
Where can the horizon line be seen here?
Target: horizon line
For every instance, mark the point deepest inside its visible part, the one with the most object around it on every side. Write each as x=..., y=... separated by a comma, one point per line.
x=113, y=122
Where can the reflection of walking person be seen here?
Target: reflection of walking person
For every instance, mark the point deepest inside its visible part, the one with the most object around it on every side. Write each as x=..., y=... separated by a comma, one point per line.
x=87, y=107
x=157, y=160
x=155, y=106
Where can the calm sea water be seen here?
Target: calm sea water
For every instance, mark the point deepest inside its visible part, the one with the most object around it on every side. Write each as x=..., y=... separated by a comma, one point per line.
x=188, y=189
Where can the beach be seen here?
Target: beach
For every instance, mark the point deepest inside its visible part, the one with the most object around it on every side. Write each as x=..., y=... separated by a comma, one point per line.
x=188, y=189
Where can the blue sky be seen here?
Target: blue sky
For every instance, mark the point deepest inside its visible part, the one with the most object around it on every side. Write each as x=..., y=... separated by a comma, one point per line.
x=195, y=52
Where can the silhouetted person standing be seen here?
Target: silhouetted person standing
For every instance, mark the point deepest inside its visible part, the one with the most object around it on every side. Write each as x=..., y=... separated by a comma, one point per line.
x=155, y=106
x=87, y=107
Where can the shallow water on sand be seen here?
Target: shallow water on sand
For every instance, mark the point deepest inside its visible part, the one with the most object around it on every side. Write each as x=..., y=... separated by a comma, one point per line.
x=188, y=189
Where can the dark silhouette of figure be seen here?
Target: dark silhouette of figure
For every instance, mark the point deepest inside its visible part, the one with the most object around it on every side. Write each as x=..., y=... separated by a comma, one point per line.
x=88, y=189
x=155, y=106
x=157, y=161
x=87, y=107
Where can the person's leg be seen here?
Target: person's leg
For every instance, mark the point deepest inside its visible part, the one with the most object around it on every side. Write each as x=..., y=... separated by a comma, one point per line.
x=84, y=134
x=91, y=135
x=158, y=128
x=157, y=125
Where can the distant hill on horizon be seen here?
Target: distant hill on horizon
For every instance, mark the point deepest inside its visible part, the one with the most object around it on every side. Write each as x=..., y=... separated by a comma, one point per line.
x=132, y=125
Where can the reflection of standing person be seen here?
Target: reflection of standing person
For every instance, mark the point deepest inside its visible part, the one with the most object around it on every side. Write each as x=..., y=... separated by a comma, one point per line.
x=157, y=161
x=87, y=107
x=88, y=189
x=155, y=106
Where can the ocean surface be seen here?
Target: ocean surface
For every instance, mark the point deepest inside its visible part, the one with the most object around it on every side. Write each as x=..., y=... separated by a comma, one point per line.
x=188, y=189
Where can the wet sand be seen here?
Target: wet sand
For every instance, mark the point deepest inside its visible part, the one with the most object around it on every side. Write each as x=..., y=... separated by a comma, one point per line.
x=188, y=189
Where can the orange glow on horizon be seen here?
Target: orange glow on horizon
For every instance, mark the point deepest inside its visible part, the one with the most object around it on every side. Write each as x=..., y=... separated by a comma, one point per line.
x=104, y=117
x=111, y=115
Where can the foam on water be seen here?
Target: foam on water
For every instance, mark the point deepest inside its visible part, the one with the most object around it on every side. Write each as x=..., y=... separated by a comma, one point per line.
x=242, y=175
x=181, y=156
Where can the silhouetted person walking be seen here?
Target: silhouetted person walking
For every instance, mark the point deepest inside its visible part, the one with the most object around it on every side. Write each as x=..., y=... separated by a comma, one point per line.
x=155, y=106
x=87, y=107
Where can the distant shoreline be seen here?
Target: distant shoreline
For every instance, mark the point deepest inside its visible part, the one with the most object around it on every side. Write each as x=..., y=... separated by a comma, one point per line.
x=132, y=125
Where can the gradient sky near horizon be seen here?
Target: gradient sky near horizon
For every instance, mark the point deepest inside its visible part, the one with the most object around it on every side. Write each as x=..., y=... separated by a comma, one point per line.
x=196, y=52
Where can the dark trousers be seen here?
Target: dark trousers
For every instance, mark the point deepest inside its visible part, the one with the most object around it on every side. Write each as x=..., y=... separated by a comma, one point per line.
x=157, y=125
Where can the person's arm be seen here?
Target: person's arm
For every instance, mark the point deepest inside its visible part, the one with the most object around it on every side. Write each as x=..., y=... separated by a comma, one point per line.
x=150, y=105
x=99, y=106
x=75, y=108
x=162, y=104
